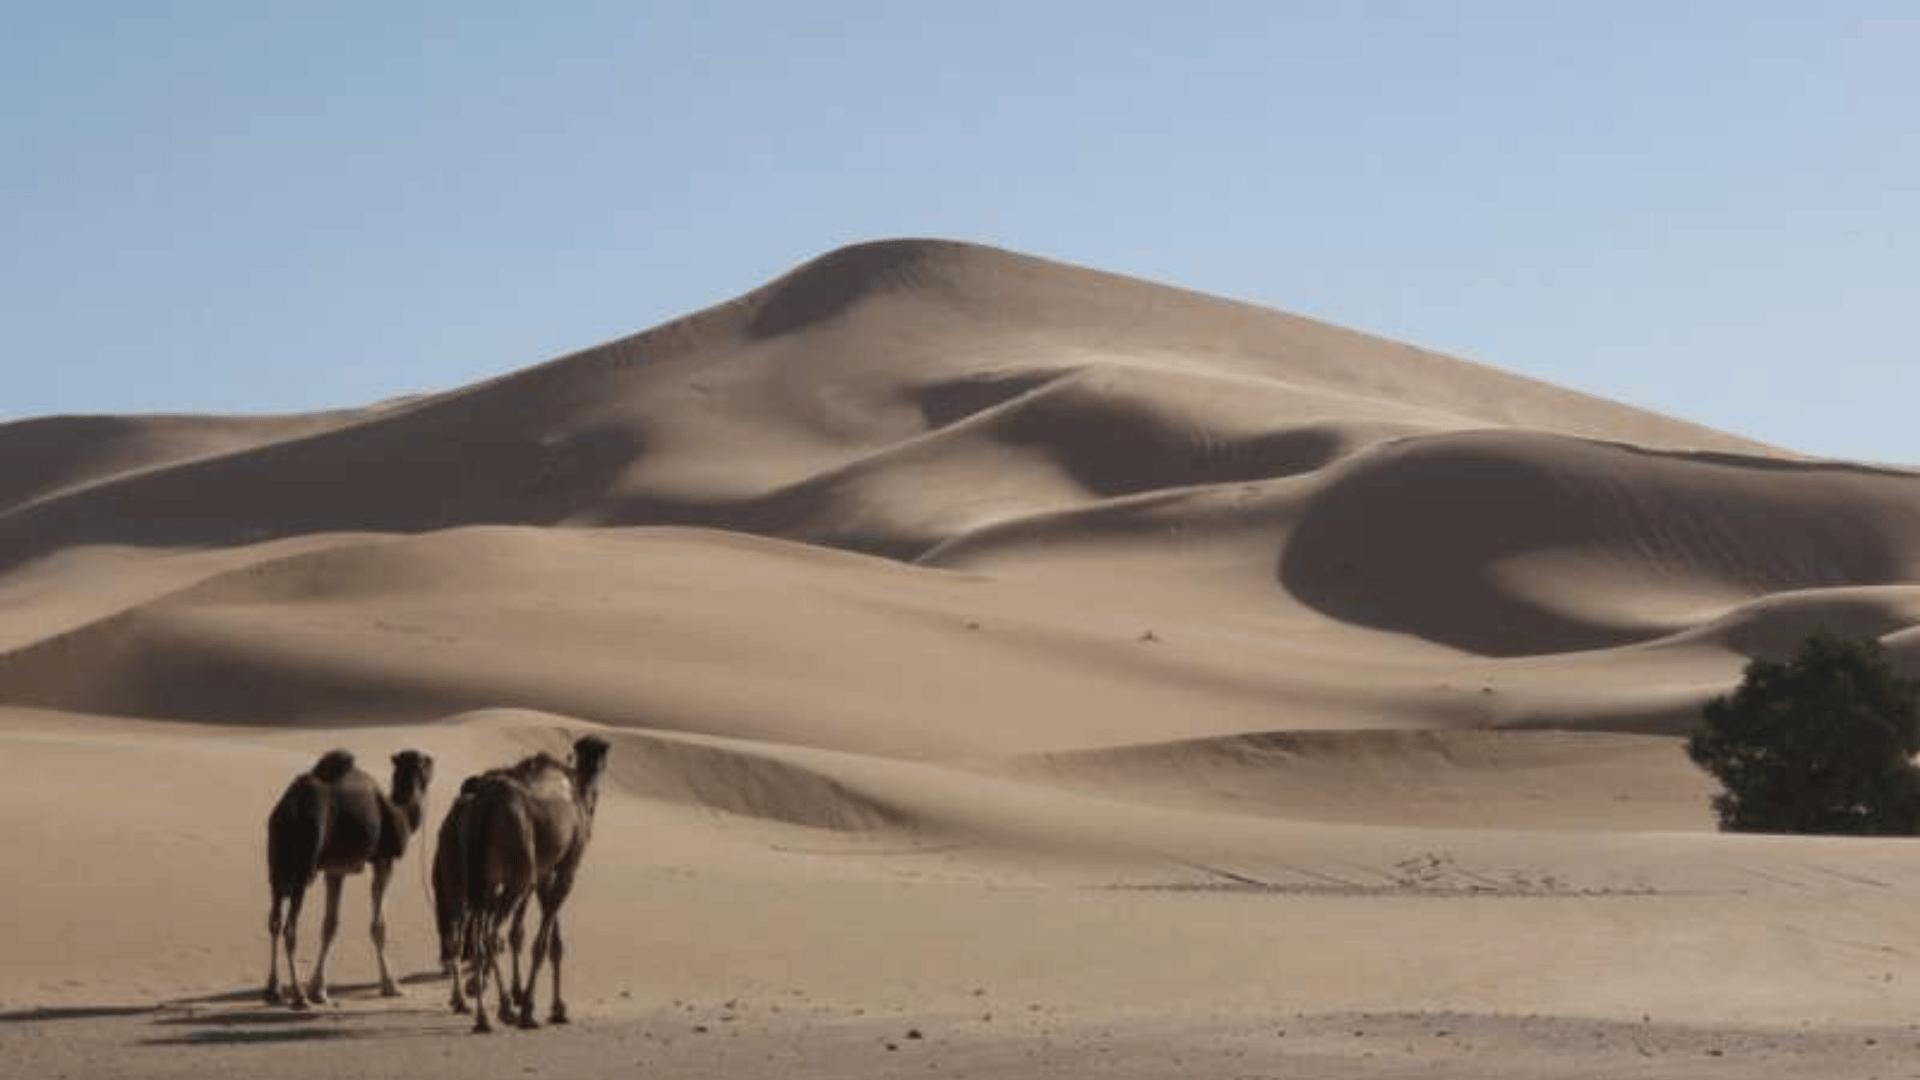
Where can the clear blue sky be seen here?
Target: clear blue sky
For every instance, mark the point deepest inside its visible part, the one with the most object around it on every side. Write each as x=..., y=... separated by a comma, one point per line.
x=1707, y=208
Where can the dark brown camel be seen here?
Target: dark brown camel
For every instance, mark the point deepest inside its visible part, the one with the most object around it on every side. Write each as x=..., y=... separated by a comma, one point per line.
x=523, y=833
x=449, y=884
x=335, y=820
x=450, y=903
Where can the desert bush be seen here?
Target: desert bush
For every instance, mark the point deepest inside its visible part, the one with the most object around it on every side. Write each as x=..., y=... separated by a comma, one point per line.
x=1822, y=743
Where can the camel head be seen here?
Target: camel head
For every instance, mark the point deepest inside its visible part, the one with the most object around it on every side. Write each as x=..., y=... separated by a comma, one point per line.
x=589, y=764
x=412, y=771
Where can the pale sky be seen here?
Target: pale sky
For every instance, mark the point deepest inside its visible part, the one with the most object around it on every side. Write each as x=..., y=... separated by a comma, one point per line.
x=1707, y=209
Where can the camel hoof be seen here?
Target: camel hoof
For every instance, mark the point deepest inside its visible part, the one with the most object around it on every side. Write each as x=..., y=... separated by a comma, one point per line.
x=528, y=1023
x=298, y=1003
x=482, y=1028
x=273, y=995
x=391, y=990
x=558, y=1016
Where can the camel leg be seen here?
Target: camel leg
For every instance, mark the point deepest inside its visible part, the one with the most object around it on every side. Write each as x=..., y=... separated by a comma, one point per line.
x=558, y=1015
x=540, y=936
x=289, y=934
x=329, y=925
x=481, y=931
x=463, y=933
x=487, y=960
x=382, y=873
x=551, y=897
x=548, y=940
x=476, y=972
x=502, y=991
x=273, y=951
x=517, y=940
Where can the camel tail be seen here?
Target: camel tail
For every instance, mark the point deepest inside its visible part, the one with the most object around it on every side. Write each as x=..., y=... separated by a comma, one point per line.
x=449, y=889
x=478, y=824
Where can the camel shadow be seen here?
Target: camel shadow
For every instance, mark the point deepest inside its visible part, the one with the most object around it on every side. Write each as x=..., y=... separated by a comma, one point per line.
x=239, y=1017
x=344, y=991
x=250, y=1027
x=78, y=1012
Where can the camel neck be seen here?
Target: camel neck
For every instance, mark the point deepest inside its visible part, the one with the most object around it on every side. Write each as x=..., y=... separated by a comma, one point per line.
x=409, y=797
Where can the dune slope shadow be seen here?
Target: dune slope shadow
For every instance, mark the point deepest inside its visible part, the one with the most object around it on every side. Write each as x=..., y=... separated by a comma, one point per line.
x=1431, y=536
x=732, y=778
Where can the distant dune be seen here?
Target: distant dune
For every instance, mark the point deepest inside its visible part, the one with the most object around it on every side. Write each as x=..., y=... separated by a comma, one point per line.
x=980, y=595
x=884, y=398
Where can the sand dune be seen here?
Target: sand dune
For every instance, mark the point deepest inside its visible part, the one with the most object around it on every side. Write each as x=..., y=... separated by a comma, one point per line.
x=845, y=358
x=976, y=635
x=1511, y=527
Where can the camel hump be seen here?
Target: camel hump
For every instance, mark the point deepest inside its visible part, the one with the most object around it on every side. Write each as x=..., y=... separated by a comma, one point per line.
x=333, y=766
x=539, y=762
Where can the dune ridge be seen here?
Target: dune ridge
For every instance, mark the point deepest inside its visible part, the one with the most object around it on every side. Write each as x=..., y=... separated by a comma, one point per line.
x=867, y=349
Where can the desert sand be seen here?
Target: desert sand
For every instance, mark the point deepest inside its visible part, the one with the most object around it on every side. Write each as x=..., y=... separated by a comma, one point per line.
x=1011, y=669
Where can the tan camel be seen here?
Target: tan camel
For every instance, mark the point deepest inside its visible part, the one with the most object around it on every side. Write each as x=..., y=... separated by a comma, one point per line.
x=523, y=833
x=334, y=820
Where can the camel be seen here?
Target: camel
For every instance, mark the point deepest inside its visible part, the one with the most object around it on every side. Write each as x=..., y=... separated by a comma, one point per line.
x=524, y=833
x=335, y=820
x=449, y=883
x=449, y=903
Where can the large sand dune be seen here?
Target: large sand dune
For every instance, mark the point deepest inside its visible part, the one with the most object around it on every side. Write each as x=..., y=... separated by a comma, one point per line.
x=983, y=641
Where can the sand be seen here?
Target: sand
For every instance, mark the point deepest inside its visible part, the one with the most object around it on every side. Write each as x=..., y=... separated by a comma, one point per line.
x=1011, y=670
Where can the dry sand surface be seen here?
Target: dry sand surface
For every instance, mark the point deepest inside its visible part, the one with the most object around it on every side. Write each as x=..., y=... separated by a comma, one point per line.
x=1011, y=670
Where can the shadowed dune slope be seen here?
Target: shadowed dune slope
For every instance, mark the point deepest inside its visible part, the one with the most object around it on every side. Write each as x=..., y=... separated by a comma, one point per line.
x=1082, y=442
x=42, y=456
x=1429, y=778
x=1514, y=543
x=1774, y=626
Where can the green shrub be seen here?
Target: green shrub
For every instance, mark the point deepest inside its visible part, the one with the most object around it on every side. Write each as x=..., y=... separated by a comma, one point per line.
x=1820, y=744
